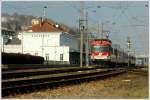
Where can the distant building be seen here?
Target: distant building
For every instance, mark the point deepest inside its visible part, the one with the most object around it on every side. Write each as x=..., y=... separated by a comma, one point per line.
x=7, y=34
x=4, y=19
x=6, y=37
x=142, y=60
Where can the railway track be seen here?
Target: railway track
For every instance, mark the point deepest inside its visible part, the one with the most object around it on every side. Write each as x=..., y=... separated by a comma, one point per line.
x=40, y=71
x=14, y=67
x=65, y=76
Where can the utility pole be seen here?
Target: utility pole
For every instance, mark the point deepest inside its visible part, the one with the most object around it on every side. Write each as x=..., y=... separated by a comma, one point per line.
x=3, y=42
x=98, y=27
x=43, y=34
x=102, y=24
x=22, y=42
x=87, y=41
x=129, y=46
x=44, y=12
x=81, y=24
x=102, y=30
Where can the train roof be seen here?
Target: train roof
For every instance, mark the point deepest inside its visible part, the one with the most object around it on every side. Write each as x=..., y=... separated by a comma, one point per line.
x=103, y=40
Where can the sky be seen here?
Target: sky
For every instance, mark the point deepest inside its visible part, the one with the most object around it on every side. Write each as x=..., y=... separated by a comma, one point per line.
x=122, y=18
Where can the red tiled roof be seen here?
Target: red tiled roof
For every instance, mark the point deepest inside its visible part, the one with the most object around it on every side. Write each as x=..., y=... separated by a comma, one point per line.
x=44, y=26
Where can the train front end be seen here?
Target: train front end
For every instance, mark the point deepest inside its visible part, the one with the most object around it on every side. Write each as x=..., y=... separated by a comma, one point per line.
x=100, y=51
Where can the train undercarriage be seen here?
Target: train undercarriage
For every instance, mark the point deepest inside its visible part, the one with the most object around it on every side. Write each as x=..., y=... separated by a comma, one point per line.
x=109, y=63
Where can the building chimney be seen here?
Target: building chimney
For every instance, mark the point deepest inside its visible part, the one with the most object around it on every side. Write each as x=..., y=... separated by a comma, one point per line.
x=41, y=20
x=35, y=22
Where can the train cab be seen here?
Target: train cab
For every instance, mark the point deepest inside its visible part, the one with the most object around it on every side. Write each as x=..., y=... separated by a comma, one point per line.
x=100, y=51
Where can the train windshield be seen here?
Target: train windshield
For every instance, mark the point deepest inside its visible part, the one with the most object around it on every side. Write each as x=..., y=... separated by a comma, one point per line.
x=100, y=48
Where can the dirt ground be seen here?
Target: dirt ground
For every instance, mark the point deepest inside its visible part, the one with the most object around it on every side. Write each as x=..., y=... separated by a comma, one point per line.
x=132, y=85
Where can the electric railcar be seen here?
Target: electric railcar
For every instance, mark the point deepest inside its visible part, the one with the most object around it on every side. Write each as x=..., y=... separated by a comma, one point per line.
x=104, y=53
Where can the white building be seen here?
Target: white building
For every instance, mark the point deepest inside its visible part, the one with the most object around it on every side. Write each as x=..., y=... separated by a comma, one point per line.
x=49, y=41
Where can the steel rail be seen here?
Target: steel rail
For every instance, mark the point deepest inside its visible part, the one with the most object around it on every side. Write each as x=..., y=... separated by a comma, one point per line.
x=44, y=71
x=21, y=85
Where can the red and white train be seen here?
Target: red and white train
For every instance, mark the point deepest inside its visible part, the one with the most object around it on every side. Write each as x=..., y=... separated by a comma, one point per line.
x=103, y=53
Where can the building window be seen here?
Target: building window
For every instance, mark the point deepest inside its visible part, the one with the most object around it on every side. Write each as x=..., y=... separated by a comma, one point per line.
x=61, y=57
x=47, y=56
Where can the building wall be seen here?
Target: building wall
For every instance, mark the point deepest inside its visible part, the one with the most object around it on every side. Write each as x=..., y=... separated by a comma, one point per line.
x=35, y=41
x=56, y=52
x=46, y=45
x=12, y=48
x=69, y=40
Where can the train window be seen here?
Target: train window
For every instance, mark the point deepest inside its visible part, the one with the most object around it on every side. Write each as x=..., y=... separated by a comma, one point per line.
x=101, y=48
x=95, y=48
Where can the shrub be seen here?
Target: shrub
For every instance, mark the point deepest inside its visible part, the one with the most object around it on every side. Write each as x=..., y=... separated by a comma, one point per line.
x=15, y=58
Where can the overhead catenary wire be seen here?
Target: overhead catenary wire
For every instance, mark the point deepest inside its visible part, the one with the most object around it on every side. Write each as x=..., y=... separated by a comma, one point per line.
x=134, y=29
x=71, y=5
x=116, y=7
